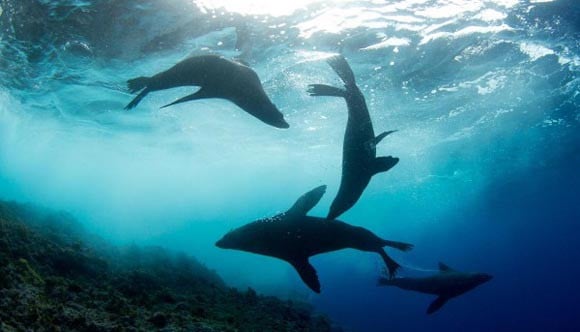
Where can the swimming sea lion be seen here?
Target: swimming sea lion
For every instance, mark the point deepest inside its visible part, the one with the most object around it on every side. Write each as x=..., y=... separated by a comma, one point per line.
x=446, y=284
x=294, y=237
x=217, y=77
x=359, y=158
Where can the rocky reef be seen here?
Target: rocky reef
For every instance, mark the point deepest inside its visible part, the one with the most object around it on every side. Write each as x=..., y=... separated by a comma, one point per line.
x=56, y=277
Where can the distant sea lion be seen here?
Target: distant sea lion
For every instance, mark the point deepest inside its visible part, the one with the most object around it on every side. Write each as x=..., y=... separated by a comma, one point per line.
x=294, y=237
x=447, y=284
x=359, y=160
x=218, y=78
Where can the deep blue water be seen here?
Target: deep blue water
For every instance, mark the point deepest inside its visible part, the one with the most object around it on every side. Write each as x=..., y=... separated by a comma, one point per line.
x=485, y=95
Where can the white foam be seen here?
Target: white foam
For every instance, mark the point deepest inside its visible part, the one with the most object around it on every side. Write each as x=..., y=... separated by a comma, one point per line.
x=535, y=51
x=389, y=42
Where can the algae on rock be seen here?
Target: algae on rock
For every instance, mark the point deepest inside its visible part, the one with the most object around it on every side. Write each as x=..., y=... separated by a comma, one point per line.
x=54, y=276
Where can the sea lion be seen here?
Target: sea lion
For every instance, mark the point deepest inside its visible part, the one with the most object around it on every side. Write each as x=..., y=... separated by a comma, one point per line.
x=294, y=237
x=359, y=160
x=217, y=77
x=446, y=284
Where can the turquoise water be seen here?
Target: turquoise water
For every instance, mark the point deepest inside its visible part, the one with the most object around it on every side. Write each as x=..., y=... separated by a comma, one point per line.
x=484, y=94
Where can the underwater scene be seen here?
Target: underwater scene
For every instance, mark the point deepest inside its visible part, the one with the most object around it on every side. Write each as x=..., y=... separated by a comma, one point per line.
x=306, y=165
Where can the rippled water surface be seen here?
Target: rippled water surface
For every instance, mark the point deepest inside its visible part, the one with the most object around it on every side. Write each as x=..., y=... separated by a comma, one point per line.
x=484, y=95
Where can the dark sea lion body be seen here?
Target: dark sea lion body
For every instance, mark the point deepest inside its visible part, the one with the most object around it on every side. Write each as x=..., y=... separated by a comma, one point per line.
x=294, y=237
x=446, y=284
x=217, y=77
x=359, y=159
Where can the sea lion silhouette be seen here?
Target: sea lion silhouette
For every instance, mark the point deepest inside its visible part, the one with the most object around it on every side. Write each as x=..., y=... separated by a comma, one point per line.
x=359, y=160
x=294, y=237
x=447, y=284
x=217, y=77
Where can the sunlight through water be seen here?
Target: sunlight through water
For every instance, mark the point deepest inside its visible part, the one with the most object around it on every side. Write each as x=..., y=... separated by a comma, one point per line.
x=259, y=7
x=483, y=96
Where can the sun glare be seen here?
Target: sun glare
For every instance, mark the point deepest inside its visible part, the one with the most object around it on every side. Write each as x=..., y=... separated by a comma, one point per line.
x=257, y=7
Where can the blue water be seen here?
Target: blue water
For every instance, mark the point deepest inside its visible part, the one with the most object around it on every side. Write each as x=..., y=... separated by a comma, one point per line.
x=485, y=95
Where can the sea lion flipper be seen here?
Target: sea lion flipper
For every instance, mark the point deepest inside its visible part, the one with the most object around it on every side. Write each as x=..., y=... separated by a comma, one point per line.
x=137, y=99
x=199, y=94
x=307, y=273
x=138, y=84
x=383, y=164
x=307, y=201
x=437, y=304
x=392, y=266
x=325, y=90
x=398, y=245
x=342, y=69
x=382, y=135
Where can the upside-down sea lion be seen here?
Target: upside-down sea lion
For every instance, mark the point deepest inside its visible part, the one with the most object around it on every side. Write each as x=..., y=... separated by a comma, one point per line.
x=359, y=159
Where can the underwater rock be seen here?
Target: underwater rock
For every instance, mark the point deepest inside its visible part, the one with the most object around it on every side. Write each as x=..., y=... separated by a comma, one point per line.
x=54, y=276
x=159, y=320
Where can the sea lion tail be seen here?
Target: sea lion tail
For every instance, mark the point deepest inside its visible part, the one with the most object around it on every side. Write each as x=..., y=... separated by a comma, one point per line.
x=342, y=69
x=138, y=84
x=392, y=266
x=398, y=245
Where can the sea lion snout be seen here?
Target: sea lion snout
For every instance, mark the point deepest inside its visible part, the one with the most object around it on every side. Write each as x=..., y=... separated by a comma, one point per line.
x=273, y=116
x=280, y=123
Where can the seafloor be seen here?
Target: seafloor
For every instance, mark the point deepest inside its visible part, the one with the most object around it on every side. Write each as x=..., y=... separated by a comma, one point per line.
x=54, y=276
